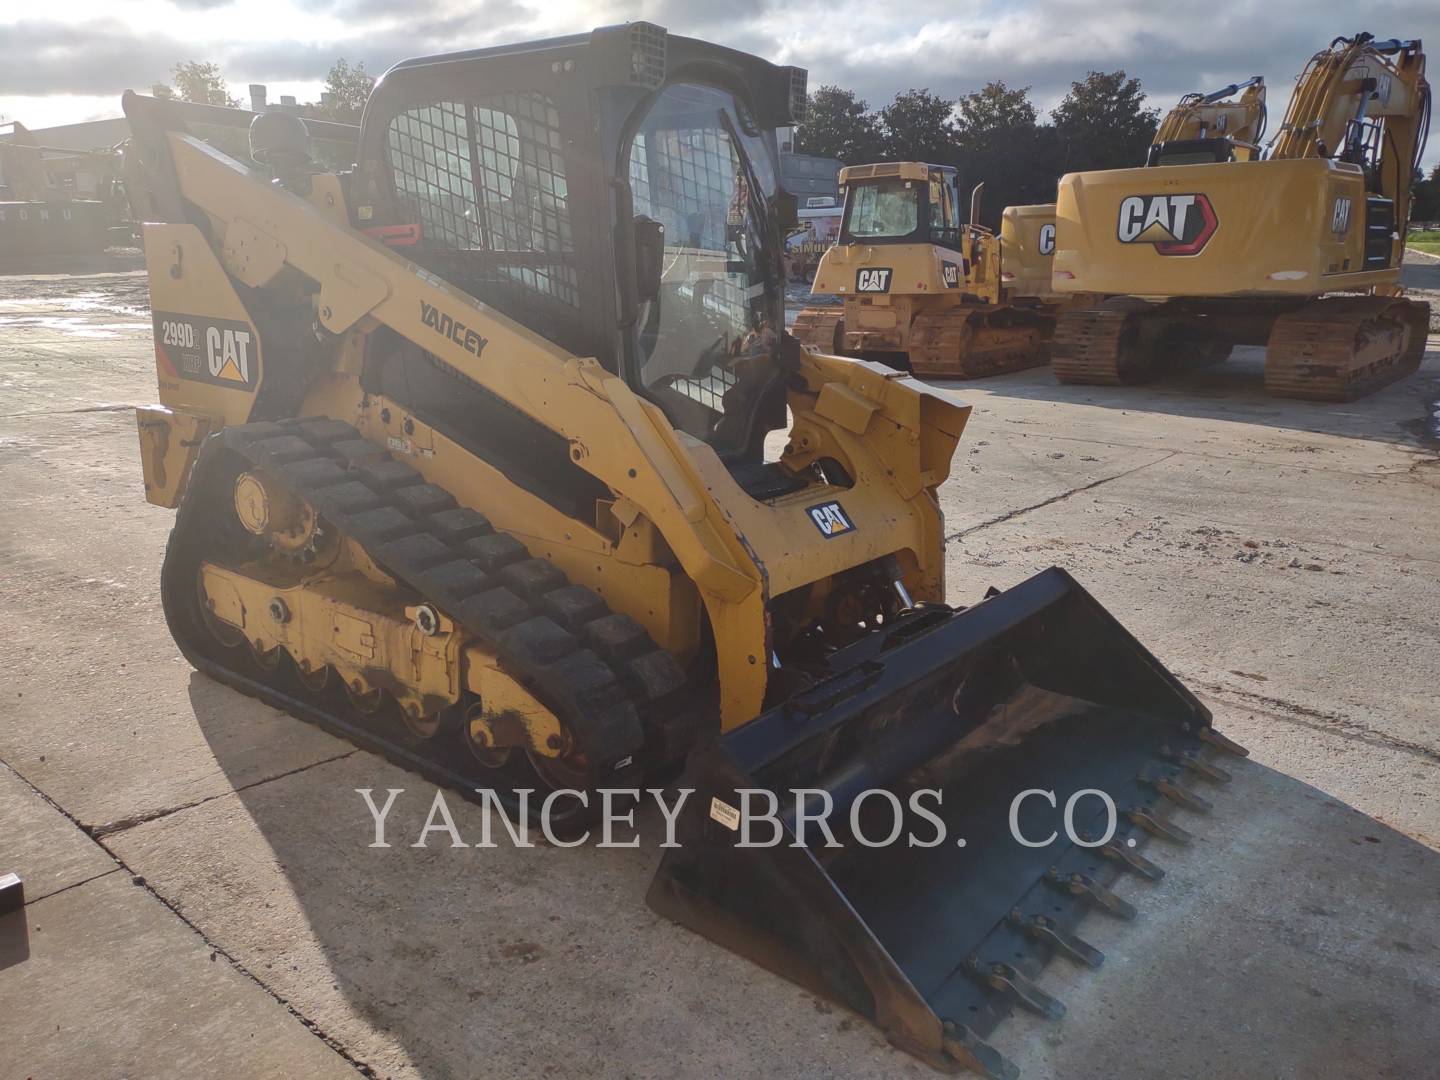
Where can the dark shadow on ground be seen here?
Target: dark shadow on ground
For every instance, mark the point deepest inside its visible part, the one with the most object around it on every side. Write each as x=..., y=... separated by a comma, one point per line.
x=1235, y=391
x=1295, y=937
x=14, y=938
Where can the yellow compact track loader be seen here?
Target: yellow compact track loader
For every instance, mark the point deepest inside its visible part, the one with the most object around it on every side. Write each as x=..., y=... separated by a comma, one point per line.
x=923, y=292
x=1213, y=244
x=468, y=450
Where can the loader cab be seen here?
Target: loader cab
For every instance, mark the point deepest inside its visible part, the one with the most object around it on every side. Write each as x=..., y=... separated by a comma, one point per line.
x=617, y=192
x=900, y=203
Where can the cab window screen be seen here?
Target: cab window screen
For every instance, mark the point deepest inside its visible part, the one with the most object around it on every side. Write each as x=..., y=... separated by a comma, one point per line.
x=487, y=180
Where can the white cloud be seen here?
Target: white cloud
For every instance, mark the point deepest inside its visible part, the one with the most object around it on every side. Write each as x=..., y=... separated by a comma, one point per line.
x=60, y=68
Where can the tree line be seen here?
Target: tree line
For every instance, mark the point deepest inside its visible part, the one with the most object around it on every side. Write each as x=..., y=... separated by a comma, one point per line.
x=994, y=135
x=342, y=100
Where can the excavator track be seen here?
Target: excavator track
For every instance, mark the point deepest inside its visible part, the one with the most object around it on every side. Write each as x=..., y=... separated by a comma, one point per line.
x=972, y=342
x=599, y=672
x=820, y=328
x=1339, y=348
x=1100, y=347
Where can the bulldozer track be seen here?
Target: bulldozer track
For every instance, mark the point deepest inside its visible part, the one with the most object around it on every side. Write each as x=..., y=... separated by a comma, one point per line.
x=819, y=328
x=973, y=342
x=1340, y=348
x=1098, y=347
x=599, y=672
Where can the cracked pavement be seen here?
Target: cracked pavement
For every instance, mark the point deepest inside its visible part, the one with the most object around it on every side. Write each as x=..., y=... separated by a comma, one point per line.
x=202, y=899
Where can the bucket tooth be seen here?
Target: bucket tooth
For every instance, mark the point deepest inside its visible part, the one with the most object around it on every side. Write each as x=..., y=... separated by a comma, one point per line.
x=1221, y=743
x=1132, y=861
x=1196, y=764
x=971, y=1052
x=1087, y=887
x=1041, y=928
x=1158, y=826
x=1007, y=980
x=1177, y=793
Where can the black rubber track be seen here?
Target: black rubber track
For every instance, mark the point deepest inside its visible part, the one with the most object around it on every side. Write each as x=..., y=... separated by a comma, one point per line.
x=623, y=699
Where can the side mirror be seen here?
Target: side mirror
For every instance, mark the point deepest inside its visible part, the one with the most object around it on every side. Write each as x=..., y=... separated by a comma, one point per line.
x=649, y=257
x=787, y=211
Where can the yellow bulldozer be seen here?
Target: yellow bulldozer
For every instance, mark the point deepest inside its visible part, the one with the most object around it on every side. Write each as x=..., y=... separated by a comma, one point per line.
x=1214, y=244
x=923, y=292
x=468, y=448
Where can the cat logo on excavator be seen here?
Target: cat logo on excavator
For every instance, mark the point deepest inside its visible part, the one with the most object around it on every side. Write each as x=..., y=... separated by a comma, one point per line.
x=1175, y=224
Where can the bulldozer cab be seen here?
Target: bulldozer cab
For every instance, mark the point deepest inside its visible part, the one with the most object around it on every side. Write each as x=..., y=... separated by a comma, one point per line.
x=900, y=203
x=616, y=192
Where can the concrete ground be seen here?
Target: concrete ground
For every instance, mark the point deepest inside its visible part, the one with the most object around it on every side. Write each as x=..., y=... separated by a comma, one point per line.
x=202, y=899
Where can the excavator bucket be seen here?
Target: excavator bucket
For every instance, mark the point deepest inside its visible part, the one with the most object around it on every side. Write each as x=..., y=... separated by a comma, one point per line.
x=961, y=713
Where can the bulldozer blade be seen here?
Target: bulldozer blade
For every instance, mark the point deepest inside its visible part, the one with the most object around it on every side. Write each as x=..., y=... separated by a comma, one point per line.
x=999, y=721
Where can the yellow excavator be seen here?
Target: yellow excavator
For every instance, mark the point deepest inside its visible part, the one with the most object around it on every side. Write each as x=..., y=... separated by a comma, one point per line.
x=468, y=450
x=924, y=292
x=1213, y=244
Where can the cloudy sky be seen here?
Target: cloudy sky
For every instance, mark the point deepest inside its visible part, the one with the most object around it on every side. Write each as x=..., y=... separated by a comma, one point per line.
x=62, y=69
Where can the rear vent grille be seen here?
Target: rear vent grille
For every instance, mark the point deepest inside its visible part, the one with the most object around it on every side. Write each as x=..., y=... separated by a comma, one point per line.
x=799, y=78
x=647, y=54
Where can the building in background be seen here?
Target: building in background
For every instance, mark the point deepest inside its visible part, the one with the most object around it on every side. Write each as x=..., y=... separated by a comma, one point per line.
x=815, y=183
x=811, y=179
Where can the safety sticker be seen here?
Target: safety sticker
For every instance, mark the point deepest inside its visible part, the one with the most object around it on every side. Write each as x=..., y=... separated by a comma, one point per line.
x=725, y=814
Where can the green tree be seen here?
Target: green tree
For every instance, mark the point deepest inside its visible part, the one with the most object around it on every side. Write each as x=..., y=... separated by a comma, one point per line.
x=994, y=113
x=919, y=126
x=346, y=91
x=199, y=83
x=840, y=125
x=1001, y=143
x=1103, y=124
x=1425, y=197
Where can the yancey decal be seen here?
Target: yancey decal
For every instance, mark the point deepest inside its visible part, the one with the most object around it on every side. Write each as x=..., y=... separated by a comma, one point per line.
x=830, y=518
x=1047, y=239
x=873, y=279
x=1174, y=224
x=951, y=274
x=449, y=327
x=222, y=352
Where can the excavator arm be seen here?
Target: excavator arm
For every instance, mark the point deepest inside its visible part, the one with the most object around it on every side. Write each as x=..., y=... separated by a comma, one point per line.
x=1207, y=118
x=1365, y=102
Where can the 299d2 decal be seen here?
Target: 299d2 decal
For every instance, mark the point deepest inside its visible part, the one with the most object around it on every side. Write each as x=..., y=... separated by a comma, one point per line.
x=222, y=352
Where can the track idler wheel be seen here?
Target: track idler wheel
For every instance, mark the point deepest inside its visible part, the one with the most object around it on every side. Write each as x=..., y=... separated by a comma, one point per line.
x=267, y=660
x=232, y=637
x=421, y=725
x=314, y=679
x=364, y=699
